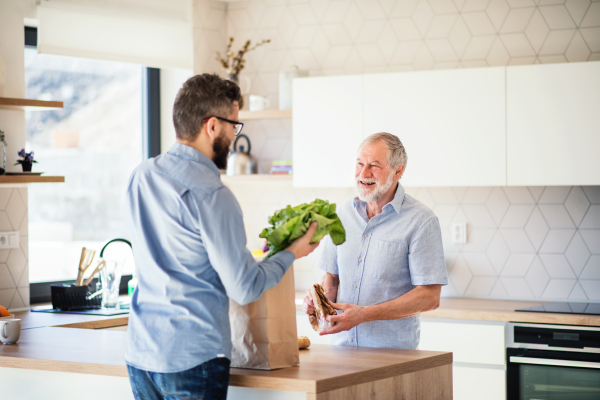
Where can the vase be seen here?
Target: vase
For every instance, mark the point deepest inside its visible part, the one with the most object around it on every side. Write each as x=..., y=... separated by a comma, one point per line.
x=235, y=78
x=26, y=166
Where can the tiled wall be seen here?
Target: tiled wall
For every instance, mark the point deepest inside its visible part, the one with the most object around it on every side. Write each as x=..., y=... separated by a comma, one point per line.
x=14, y=269
x=337, y=37
x=523, y=242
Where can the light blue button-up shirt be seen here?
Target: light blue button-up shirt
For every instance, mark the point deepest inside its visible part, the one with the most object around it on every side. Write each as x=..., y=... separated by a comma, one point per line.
x=189, y=246
x=383, y=258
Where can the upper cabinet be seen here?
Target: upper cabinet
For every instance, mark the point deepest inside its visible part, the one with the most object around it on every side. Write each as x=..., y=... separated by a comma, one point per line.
x=553, y=124
x=526, y=125
x=451, y=122
x=327, y=129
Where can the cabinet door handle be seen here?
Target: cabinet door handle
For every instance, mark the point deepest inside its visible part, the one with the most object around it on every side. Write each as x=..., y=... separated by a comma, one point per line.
x=558, y=363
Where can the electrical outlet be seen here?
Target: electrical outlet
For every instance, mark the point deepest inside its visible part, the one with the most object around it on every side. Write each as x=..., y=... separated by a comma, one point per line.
x=458, y=232
x=9, y=240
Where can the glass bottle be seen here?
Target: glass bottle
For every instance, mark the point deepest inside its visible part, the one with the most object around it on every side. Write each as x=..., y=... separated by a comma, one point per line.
x=2, y=154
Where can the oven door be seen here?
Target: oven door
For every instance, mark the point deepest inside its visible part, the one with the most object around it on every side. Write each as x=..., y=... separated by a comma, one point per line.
x=552, y=375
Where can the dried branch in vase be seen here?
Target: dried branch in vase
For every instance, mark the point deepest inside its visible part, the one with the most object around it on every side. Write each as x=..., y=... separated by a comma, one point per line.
x=234, y=62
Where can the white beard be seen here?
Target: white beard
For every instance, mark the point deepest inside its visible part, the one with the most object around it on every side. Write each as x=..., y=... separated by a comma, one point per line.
x=375, y=193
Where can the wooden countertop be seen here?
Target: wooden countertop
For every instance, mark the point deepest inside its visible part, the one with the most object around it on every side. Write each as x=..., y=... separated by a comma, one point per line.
x=495, y=310
x=504, y=310
x=322, y=367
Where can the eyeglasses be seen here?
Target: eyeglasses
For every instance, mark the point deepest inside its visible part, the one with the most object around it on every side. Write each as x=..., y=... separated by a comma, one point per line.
x=237, y=126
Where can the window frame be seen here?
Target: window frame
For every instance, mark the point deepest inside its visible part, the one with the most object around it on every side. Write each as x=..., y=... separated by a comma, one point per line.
x=39, y=292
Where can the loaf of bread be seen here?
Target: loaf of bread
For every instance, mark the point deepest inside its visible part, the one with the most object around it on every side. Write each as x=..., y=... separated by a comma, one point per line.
x=303, y=342
x=322, y=309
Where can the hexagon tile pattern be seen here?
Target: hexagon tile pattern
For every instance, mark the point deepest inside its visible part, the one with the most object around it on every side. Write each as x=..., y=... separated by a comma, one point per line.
x=336, y=37
x=14, y=289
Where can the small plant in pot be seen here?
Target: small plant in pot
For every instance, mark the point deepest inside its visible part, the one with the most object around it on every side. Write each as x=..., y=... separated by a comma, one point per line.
x=27, y=161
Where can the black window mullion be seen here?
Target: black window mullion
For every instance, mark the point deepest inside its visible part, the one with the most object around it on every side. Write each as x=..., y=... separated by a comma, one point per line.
x=151, y=112
x=30, y=36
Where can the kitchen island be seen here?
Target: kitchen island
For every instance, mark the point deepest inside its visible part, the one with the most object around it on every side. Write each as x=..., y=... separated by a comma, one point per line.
x=325, y=372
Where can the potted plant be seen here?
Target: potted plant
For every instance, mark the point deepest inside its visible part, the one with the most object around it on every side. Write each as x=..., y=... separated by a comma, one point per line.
x=27, y=161
x=233, y=63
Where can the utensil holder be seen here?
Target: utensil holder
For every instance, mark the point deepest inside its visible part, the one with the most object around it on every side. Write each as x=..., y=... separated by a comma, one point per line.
x=71, y=298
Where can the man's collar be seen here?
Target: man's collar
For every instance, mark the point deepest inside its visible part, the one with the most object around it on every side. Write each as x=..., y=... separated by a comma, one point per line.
x=189, y=153
x=396, y=202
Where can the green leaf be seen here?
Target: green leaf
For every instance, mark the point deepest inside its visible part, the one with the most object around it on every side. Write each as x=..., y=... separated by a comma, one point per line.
x=290, y=223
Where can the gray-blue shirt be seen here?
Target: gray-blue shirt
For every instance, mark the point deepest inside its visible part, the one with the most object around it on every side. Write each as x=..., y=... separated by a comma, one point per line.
x=189, y=246
x=383, y=258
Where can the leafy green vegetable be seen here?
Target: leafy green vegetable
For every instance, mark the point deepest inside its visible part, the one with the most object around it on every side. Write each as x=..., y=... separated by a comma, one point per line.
x=289, y=223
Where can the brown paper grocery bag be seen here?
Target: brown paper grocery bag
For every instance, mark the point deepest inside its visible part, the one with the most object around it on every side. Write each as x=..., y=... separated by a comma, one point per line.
x=264, y=332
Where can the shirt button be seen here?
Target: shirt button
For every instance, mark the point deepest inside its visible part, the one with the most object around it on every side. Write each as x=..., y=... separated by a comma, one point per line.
x=352, y=340
x=355, y=286
x=360, y=260
x=366, y=234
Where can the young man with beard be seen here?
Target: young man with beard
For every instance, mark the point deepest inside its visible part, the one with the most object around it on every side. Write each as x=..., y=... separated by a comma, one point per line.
x=391, y=267
x=189, y=246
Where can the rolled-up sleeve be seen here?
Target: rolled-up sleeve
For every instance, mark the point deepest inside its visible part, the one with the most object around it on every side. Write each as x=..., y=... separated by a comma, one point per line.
x=223, y=235
x=426, y=255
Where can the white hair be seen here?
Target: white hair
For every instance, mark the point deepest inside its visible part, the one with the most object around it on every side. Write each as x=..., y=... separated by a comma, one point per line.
x=396, y=155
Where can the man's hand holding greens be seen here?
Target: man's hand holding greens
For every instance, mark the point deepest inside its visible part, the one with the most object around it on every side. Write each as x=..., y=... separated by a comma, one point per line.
x=302, y=246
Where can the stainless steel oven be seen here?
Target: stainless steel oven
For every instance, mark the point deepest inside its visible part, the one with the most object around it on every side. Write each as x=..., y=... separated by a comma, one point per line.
x=552, y=362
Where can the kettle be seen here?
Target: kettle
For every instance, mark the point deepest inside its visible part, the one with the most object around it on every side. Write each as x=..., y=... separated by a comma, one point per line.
x=240, y=162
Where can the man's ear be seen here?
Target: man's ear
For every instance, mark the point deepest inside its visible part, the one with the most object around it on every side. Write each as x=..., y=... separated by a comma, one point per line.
x=210, y=128
x=400, y=171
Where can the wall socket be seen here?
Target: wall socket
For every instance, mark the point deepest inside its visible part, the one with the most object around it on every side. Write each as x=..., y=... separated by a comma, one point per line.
x=458, y=233
x=9, y=240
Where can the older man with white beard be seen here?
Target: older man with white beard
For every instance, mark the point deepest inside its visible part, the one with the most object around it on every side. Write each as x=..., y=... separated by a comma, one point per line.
x=391, y=267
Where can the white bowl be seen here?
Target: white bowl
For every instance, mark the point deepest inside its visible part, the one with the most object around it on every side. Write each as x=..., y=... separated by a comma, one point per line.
x=11, y=316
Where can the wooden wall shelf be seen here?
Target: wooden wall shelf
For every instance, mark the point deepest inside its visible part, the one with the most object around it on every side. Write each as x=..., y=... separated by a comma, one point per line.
x=19, y=179
x=256, y=178
x=265, y=114
x=12, y=103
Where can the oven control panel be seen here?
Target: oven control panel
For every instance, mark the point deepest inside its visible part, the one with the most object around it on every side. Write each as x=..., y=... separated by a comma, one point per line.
x=553, y=336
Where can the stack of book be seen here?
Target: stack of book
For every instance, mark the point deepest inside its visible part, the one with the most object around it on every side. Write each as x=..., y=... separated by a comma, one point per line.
x=281, y=168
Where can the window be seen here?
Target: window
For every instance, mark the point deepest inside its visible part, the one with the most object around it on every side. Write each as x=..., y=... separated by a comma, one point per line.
x=95, y=142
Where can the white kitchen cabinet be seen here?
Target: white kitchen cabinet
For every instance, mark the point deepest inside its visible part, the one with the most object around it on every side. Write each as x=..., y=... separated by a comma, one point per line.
x=553, y=124
x=478, y=343
x=26, y=384
x=451, y=122
x=478, y=353
x=327, y=129
x=477, y=383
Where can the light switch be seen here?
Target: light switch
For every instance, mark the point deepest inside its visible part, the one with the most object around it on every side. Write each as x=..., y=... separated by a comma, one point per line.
x=9, y=240
x=458, y=233
x=13, y=240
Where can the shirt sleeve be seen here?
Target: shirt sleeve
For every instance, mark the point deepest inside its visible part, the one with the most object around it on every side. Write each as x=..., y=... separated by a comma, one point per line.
x=224, y=237
x=327, y=260
x=426, y=256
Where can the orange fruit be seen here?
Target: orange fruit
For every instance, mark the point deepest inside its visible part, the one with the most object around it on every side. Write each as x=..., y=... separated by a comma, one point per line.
x=4, y=312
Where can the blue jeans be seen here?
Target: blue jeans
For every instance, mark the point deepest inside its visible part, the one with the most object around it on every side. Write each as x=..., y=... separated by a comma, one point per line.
x=208, y=381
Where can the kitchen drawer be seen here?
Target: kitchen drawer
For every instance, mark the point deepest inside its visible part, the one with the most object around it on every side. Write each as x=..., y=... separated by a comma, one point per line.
x=472, y=383
x=479, y=343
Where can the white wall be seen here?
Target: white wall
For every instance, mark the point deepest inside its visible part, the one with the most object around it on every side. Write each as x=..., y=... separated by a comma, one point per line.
x=171, y=81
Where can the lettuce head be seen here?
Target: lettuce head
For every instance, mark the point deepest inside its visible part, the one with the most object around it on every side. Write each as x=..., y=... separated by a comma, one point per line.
x=289, y=223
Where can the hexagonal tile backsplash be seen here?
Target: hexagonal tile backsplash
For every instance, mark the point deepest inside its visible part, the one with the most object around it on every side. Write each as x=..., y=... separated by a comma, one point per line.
x=516, y=249
x=14, y=267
